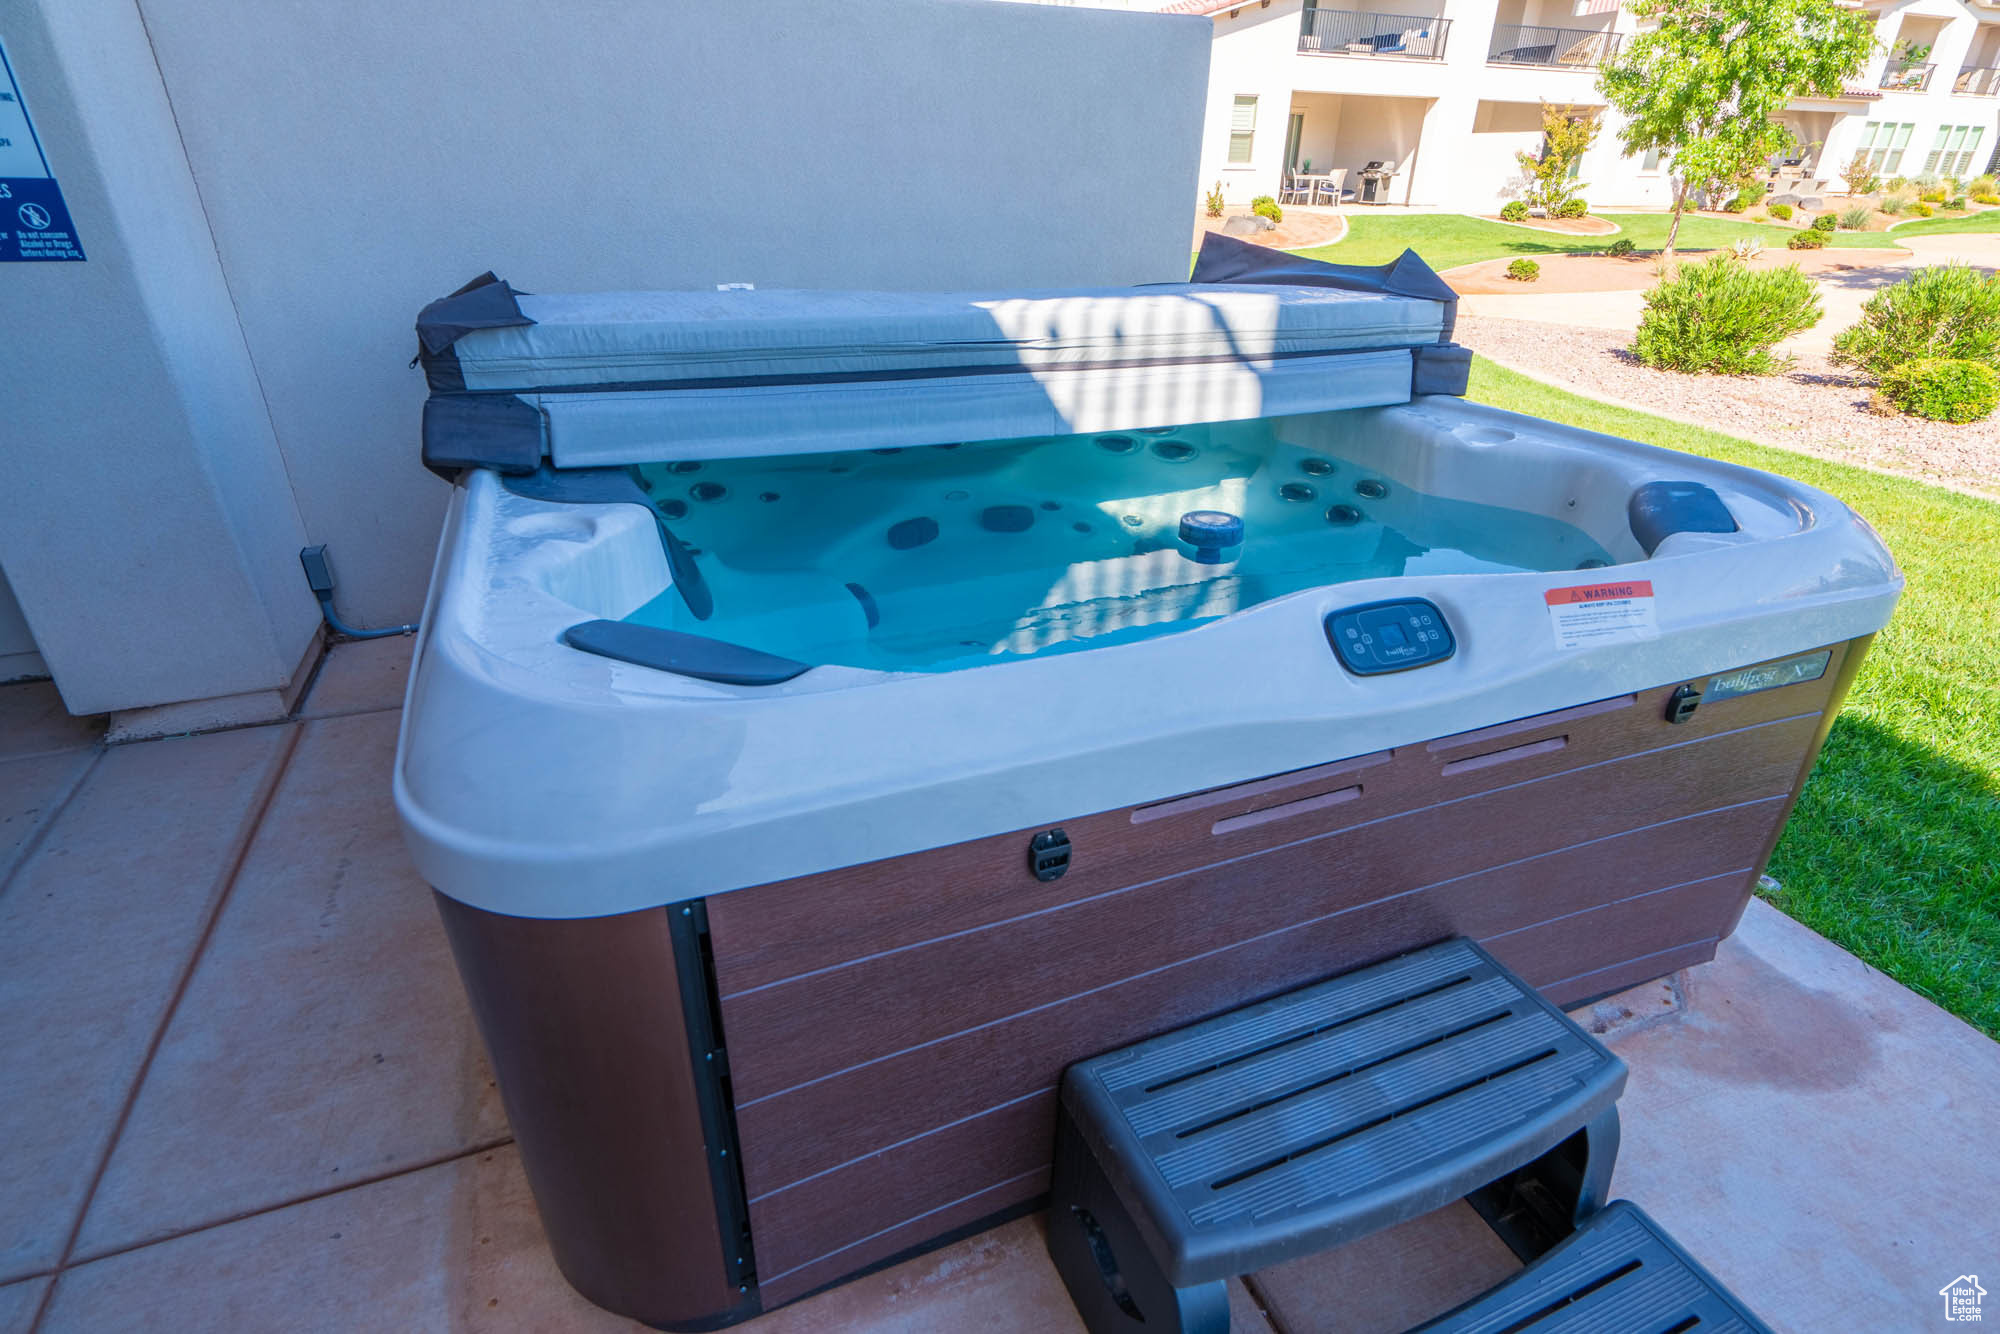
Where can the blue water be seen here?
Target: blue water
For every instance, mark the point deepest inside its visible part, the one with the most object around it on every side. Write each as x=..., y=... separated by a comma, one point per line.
x=950, y=556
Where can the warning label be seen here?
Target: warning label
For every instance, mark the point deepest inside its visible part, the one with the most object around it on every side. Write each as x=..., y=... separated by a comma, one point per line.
x=34, y=219
x=1587, y=615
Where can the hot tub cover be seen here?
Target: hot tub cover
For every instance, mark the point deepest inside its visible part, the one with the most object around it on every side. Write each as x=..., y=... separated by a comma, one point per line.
x=622, y=377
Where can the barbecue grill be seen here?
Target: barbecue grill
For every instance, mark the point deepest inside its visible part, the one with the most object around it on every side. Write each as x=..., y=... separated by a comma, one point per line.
x=1375, y=178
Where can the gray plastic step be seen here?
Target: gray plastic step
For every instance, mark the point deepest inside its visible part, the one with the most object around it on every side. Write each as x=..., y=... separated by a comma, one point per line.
x=1620, y=1273
x=1327, y=1113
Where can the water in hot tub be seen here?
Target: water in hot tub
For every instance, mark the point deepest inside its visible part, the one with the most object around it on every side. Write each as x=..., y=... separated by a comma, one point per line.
x=947, y=556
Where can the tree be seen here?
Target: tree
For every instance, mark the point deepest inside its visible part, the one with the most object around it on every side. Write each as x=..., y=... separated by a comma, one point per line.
x=1566, y=133
x=1701, y=86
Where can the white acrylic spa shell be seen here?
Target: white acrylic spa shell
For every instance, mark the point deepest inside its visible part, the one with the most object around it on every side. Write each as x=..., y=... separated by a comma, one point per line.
x=540, y=781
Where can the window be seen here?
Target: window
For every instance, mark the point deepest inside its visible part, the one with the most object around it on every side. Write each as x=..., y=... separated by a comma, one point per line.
x=1884, y=141
x=1242, y=127
x=1954, y=150
x=1651, y=162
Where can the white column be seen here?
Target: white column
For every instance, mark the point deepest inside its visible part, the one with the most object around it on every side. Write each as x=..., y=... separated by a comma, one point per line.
x=1447, y=132
x=147, y=528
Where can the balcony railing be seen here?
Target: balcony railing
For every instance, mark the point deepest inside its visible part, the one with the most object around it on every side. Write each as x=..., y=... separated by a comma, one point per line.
x=1907, y=77
x=1344, y=32
x=1979, y=80
x=1514, y=44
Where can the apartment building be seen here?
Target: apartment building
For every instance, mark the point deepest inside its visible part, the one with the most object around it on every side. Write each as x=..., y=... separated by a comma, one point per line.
x=1444, y=97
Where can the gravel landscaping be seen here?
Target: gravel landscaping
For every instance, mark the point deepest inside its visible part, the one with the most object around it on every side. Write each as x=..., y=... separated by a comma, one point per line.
x=1816, y=408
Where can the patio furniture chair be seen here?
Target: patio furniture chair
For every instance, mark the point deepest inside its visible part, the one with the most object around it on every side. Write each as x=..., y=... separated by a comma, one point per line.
x=1583, y=51
x=1290, y=191
x=1333, y=189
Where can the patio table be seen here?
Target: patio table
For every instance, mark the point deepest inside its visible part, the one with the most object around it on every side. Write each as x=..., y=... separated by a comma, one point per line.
x=1316, y=182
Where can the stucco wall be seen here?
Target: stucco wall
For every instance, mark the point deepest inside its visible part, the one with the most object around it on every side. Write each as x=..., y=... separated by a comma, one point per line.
x=147, y=528
x=358, y=159
x=269, y=192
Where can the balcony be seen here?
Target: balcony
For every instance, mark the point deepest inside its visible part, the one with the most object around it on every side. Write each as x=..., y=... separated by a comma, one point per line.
x=1579, y=48
x=1907, y=77
x=1344, y=32
x=1978, y=81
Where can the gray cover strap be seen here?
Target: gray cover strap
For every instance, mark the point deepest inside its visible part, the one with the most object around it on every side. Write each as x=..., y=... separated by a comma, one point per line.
x=499, y=431
x=1441, y=368
x=1226, y=259
x=487, y=302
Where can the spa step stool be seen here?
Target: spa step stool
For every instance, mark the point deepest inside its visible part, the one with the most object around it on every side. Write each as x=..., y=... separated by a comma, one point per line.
x=1617, y=1273
x=1299, y=1123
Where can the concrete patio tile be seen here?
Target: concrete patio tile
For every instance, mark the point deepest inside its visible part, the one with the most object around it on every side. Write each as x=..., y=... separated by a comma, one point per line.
x=360, y=675
x=324, y=1039
x=1820, y=1137
x=1390, y=1281
x=456, y=1246
x=96, y=930
x=998, y=1282
x=32, y=788
x=33, y=721
x=18, y=1304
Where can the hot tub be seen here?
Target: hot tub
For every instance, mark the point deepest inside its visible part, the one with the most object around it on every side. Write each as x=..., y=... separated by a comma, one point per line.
x=836, y=713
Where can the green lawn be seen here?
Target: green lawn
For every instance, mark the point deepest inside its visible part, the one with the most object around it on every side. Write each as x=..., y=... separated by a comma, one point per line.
x=1894, y=850
x=1988, y=221
x=1446, y=240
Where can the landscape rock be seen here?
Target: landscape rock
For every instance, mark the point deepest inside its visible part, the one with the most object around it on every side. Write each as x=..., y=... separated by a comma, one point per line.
x=1248, y=224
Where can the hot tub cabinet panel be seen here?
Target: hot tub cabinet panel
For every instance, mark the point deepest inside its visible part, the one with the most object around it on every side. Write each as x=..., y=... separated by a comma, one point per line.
x=836, y=713
x=894, y=1032
x=595, y=1054
x=889, y=1037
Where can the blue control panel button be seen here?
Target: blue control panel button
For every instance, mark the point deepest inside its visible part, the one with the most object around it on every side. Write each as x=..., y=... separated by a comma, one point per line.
x=1394, y=636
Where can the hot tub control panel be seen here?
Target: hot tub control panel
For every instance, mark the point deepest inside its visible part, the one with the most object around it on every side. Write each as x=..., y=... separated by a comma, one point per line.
x=1380, y=637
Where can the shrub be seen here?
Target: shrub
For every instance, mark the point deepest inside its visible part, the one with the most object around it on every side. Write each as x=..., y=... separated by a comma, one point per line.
x=1514, y=210
x=1925, y=180
x=1861, y=178
x=1898, y=183
x=1825, y=222
x=1266, y=207
x=1726, y=317
x=1943, y=389
x=1857, y=219
x=1744, y=198
x=1922, y=210
x=1982, y=185
x=1215, y=201
x=1622, y=246
x=1782, y=212
x=1812, y=238
x=1570, y=208
x=1932, y=196
x=1894, y=205
x=1956, y=202
x=1524, y=270
x=1986, y=199
x=1945, y=310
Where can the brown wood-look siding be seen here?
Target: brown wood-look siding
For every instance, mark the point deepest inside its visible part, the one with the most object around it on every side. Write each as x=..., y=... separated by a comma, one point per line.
x=937, y=1221
x=1322, y=931
x=780, y=930
x=569, y=1009
x=894, y=1001
x=896, y=1030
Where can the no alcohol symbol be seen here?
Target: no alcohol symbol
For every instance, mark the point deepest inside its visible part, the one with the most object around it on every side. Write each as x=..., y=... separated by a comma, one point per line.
x=34, y=217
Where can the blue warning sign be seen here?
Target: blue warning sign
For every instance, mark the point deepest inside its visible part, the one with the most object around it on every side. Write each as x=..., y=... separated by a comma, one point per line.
x=34, y=220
